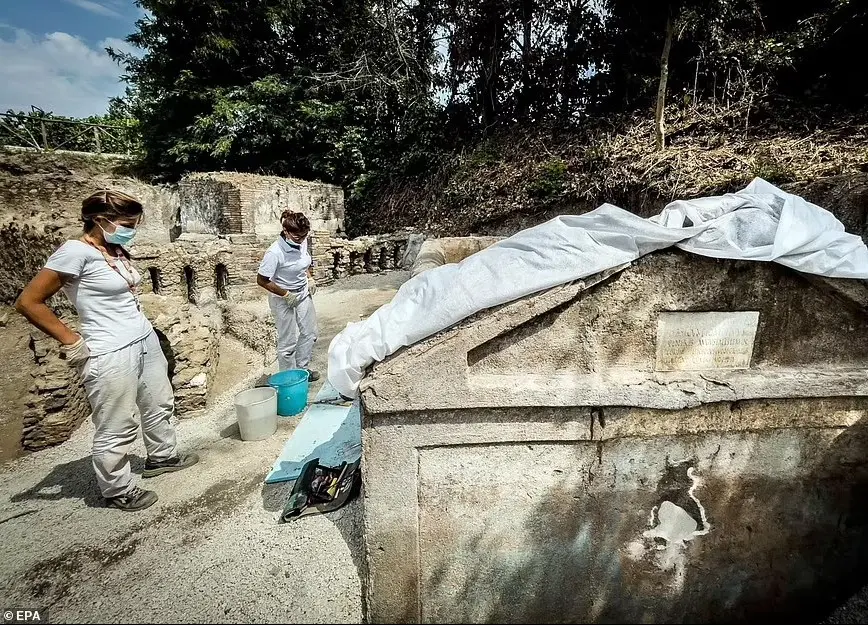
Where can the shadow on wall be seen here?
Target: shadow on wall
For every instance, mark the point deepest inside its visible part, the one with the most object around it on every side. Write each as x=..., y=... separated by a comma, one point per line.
x=750, y=537
x=175, y=229
x=221, y=281
x=156, y=276
x=168, y=351
x=190, y=281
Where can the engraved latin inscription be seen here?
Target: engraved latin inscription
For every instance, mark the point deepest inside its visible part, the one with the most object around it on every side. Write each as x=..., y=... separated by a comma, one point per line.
x=708, y=340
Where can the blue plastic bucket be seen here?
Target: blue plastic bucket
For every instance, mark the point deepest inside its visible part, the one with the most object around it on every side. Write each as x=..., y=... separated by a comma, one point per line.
x=292, y=387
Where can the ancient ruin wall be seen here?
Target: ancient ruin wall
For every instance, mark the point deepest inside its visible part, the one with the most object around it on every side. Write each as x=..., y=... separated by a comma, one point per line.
x=56, y=402
x=198, y=266
x=40, y=207
x=190, y=341
x=229, y=202
x=206, y=207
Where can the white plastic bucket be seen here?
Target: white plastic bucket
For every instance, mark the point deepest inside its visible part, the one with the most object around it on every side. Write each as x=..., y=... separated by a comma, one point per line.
x=256, y=411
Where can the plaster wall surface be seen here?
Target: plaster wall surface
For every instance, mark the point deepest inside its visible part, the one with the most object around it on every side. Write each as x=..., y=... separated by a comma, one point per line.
x=322, y=204
x=593, y=342
x=203, y=203
x=231, y=202
x=745, y=512
x=531, y=464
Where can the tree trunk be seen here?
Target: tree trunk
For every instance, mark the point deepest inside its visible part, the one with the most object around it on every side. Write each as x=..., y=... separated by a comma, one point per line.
x=568, y=69
x=527, y=7
x=491, y=60
x=659, y=127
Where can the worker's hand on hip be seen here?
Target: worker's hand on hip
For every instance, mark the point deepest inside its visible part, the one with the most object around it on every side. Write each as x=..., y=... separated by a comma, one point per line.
x=76, y=354
x=311, y=285
x=291, y=299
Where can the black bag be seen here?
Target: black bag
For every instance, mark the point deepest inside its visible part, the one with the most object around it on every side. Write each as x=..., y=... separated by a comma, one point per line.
x=321, y=489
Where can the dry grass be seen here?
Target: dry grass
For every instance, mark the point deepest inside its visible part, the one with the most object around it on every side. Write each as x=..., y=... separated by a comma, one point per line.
x=708, y=153
x=495, y=187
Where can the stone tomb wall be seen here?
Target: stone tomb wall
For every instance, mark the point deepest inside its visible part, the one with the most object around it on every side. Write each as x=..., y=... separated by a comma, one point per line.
x=730, y=512
x=208, y=268
x=181, y=282
x=56, y=401
x=680, y=440
x=232, y=203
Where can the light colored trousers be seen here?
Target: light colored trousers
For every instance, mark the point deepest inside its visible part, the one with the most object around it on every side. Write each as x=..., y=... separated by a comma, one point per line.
x=117, y=384
x=296, y=331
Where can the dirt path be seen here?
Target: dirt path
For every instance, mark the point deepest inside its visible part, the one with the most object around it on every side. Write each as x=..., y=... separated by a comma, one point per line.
x=210, y=549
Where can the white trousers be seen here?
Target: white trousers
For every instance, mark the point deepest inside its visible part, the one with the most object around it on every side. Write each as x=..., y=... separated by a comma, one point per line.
x=117, y=384
x=296, y=331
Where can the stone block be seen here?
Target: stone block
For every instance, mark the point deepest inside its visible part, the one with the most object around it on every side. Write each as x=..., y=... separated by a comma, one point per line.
x=199, y=381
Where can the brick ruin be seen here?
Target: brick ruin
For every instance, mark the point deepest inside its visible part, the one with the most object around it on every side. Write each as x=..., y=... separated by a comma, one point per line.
x=198, y=264
x=201, y=268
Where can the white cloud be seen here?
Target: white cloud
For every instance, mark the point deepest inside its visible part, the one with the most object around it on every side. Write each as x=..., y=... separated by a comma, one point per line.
x=119, y=45
x=57, y=72
x=96, y=7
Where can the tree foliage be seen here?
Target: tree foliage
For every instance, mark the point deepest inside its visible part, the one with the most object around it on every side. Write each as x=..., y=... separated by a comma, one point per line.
x=364, y=92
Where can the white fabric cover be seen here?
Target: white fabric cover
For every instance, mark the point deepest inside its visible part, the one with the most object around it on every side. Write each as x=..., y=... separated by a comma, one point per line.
x=759, y=223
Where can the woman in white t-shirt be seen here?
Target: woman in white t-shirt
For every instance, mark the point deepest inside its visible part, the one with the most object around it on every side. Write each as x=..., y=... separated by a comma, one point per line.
x=285, y=272
x=118, y=354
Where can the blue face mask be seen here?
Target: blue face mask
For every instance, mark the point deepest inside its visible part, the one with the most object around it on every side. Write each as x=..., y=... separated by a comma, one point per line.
x=122, y=236
x=288, y=240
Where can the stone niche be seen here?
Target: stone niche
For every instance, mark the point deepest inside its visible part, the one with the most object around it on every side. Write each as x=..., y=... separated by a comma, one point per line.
x=678, y=440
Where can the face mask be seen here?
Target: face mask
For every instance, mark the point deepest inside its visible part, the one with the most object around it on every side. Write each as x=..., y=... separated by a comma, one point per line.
x=289, y=241
x=122, y=236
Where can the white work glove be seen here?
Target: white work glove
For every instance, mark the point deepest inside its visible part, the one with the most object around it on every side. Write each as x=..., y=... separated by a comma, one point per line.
x=291, y=299
x=311, y=285
x=76, y=354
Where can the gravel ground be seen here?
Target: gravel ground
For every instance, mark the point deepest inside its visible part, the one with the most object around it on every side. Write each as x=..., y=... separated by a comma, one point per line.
x=853, y=612
x=210, y=550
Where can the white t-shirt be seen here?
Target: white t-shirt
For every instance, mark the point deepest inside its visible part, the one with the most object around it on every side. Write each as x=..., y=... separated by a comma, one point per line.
x=110, y=319
x=286, y=266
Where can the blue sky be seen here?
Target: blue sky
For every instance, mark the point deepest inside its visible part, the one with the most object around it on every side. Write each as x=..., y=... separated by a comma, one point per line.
x=52, y=53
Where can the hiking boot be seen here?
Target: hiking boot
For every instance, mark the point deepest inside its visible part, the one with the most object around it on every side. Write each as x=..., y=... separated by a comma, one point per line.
x=134, y=500
x=312, y=375
x=173, y=464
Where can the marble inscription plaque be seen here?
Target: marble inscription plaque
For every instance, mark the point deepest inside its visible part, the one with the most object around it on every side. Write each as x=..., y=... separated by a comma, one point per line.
x=707, y=340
